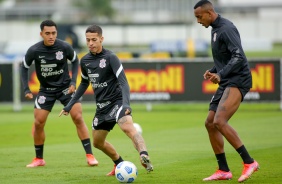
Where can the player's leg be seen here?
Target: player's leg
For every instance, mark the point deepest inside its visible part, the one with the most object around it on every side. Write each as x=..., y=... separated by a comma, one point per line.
x=217, y=141
x=228, y=105
x=126, y=125
x=83, y=134
x=99, y=142
x=81, y=128
x=43, y=105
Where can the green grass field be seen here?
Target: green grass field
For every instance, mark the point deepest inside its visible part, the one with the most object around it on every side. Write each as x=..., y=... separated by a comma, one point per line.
x=175, y=135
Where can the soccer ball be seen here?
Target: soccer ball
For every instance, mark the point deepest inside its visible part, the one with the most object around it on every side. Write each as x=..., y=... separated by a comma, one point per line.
x=126, y=172
x=138, y=128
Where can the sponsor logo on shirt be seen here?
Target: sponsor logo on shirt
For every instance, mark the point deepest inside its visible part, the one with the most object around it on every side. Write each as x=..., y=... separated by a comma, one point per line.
x=101, y=105
x=102, y=63
x=100, y=85
x=48, y=70
x=59, y=55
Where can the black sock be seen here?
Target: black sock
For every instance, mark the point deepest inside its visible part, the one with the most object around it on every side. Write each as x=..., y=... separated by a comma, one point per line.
x=87, y=146
x=144, y=153
x=119, y=160
x=247, y=159
x=222, y=163
x=39, y=151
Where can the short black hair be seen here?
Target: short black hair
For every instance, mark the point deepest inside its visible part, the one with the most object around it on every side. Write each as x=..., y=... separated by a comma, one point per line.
x=94, y=29
x=47, y=23
x=201, y=3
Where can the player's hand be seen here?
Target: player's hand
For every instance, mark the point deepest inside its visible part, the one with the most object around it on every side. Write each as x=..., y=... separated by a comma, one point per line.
x=127, y=112
x=63, y=113
x=29, y=96
x=71, y=89
x=207, y=74
x=214, y=78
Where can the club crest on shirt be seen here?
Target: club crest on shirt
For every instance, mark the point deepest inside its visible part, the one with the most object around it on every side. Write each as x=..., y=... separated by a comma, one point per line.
x=59, y=55
x=102, y=63
x=214, y=37
x=41, y=99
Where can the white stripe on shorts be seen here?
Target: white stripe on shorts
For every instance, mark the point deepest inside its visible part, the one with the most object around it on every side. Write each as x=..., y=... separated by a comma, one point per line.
x=118, y=113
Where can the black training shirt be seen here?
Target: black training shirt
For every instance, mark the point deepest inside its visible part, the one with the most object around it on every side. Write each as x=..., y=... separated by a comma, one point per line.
x=105, y=73
x=51, y=65
x=229, y=58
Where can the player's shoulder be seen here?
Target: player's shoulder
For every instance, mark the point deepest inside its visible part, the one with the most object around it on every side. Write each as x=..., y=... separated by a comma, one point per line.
x=62, y=43
x=226, y=24
x=85, y=57
x=110, y=54
x=36, y=46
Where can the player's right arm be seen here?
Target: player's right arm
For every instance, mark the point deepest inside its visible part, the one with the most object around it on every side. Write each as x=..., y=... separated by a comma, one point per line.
x=27, y=61
x=79, y=92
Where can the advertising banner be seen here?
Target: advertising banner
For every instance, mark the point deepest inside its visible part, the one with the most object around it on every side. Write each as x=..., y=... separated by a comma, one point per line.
x=174, y=81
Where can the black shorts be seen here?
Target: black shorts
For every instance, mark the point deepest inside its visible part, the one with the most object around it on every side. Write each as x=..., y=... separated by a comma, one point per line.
x=218, y=94
x=46, y=99
x=107, y=117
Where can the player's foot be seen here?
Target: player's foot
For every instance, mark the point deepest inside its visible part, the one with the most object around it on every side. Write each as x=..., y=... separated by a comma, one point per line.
x=145, y=161
x=219, y=175
x=36, y=162
x=112, y=173
x=248, y=170
x=91, y=160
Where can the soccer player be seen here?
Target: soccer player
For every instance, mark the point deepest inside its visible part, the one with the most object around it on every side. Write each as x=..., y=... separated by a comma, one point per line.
x=103, y=69
x=232, y=73
x=50, y=57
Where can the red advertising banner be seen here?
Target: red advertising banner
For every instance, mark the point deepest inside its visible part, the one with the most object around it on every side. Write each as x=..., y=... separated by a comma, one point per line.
x=171, y=81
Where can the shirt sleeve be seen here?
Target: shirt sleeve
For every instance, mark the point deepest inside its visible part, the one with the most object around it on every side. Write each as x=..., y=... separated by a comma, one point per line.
x=72, y=57
x=120, y=74
x=213, y=69
x=26, y=62
x=232, y=39
x=79, y=92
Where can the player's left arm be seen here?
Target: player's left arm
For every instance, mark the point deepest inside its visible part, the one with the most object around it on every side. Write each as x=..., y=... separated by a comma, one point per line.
x=120, y=75
x=232, y=40
x=72, y=57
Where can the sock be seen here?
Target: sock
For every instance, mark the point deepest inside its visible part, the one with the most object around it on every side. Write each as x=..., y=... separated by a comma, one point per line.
x=39, y=151
x=222, y=163
x=87, y=146
x=144, y=153
x=247, y=159
x=119, y=160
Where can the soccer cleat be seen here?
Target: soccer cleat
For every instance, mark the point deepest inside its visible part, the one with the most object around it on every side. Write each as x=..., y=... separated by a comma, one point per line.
x=112, y=173
x=91, y=160
x=145, y=161
x=248, y=170
x=219, y=175
x=36, y=162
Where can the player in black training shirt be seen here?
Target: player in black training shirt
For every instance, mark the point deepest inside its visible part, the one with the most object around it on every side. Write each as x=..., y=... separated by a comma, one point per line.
x=232, y=73
x=50, y=57
x=103, y=70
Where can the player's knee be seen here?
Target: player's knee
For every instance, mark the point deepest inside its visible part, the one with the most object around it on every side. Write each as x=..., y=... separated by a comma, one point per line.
x=77, y=118
x=209, y=124
x=218, y=124
x=97, y=144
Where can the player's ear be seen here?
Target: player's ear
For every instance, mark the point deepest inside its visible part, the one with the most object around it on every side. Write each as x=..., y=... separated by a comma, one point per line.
x=102, y=39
